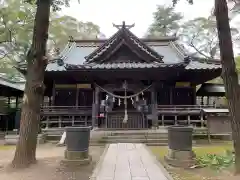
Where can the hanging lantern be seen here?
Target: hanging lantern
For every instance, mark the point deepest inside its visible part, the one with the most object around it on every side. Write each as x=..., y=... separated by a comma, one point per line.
x=119, y=102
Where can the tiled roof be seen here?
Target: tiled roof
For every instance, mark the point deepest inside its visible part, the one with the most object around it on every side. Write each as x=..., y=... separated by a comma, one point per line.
x=15, y=85
x=75, y=58
x=124, y=35
x=210, y=89
x=131, y=65
x=201, y=65
x=75, y=53
x=192, y=65
x=167, y=50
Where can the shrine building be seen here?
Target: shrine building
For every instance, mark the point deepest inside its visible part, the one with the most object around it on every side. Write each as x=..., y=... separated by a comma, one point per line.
x=125, y=82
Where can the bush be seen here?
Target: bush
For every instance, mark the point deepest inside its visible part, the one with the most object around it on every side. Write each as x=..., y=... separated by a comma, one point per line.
x=217, y=161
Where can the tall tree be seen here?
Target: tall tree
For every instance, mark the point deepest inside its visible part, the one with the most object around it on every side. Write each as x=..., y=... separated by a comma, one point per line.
x=166, y=22
x=229, y=72
x=37, y=61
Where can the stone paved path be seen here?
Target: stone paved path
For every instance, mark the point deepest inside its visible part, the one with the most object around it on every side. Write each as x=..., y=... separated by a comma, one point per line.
x=127, y=161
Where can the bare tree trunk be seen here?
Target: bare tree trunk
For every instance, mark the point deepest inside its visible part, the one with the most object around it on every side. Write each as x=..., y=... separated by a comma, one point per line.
x=229, y=74
x=25, y=153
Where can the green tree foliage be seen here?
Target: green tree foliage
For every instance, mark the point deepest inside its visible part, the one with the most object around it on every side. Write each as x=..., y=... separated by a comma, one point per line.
x=166, y=22
x=16, y=30
x=61, y=27
x=198, y=35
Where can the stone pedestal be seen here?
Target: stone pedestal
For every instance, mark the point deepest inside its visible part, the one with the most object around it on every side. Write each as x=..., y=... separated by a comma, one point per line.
x=180, y=158
x=77, y=143
x=76, y=158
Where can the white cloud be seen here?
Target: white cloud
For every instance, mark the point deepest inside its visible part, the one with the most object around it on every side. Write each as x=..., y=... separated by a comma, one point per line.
x=106, y=12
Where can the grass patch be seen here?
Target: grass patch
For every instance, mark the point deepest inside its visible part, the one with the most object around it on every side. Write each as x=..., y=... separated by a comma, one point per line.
x=199, y=173
x=6, y=147
x=160, y=152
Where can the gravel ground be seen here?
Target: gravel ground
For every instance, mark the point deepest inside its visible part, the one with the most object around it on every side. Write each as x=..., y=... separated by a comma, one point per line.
x=48, y=166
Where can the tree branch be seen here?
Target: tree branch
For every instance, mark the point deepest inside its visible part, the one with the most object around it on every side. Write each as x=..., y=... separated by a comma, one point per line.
x=195, y=48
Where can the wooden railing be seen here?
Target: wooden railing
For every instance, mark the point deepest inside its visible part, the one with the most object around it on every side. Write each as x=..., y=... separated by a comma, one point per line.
x=61, y=116
x=60, y=108
x=184, y=107
x=66, y=109
x=82, y=115
x=182, y=114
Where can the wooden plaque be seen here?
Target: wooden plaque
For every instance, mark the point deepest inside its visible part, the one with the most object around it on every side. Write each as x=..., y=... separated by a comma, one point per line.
x=183, y=84
x=65, y=86
x=84, y=86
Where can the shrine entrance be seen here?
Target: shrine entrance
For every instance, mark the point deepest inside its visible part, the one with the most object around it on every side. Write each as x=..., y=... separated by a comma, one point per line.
x=118, y=104
x=124, y=107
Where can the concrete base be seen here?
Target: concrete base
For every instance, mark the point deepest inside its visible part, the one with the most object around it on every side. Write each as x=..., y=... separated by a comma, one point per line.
x=76, y=158
x=75, y=163
x=183, y=159
x=12, y=139
x=75, y=155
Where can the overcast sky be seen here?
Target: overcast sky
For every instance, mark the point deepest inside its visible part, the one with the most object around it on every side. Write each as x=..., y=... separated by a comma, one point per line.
x=106, y=12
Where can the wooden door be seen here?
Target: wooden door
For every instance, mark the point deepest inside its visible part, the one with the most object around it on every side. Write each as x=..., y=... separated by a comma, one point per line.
x=182, y=96
x=85, y=97
x=65, y=97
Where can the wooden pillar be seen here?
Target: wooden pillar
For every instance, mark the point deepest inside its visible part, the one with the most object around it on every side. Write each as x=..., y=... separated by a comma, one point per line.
x=208, y=101
x=16, y=102
x=49, y=100
x=95, y=107
x=77, y=96
x=194, y=95
x=171, y=91
x=47, y=122
x=9, y=101
x=202, y=100
x=202, y=119
x=60, y=121
x=154, y=106
x=53, y=93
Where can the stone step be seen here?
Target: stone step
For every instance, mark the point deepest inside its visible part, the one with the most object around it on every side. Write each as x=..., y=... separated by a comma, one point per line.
x=135, y=133
x=130, y=141
x=152, y=136
x=156, y=144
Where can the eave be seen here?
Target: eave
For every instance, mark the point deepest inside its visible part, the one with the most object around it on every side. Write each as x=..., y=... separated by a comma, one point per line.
x=130, y=65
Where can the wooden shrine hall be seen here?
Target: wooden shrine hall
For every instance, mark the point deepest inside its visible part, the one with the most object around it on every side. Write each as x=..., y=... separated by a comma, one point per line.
x=124, y=82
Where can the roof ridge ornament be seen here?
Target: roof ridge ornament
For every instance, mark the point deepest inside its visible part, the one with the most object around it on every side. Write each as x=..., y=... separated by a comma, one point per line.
x=123, y=25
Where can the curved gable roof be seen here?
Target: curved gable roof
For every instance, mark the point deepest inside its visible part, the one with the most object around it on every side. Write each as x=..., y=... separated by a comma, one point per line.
x=124, y=36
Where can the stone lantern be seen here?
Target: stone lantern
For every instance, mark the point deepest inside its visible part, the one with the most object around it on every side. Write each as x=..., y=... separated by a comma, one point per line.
x=180, y=151
x=77, y=143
